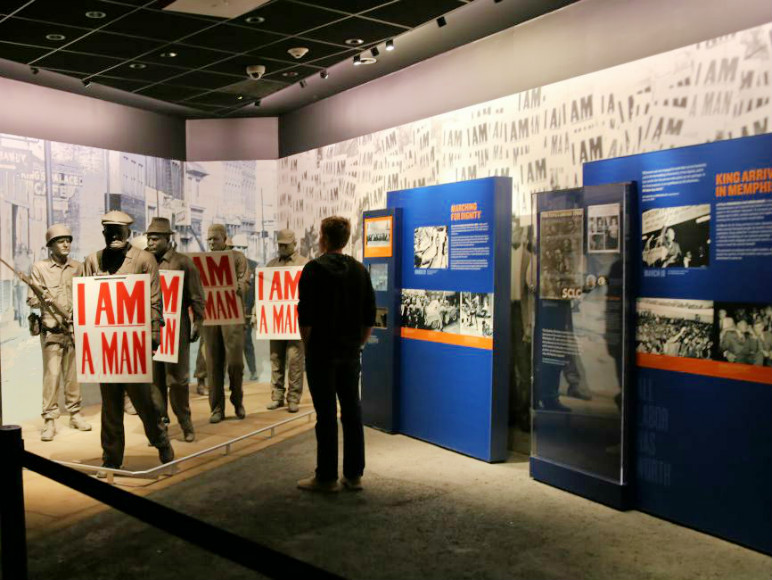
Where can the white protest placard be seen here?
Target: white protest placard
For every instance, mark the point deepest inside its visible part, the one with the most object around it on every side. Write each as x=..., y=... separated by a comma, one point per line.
x=276, y=303
x=112, y=320
x=218, y=276
x=171, y=295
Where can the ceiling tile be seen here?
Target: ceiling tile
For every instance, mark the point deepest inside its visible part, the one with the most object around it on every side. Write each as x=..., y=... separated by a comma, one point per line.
x=206, y=80
x=123, y=84
x=169, y=92
x=151, y=73
x=186, y=56
x=289, y=18
x=256, y=90
x=352, y=5
x=73, y=12
x=334, y=59
x=10, y=6
x=85, y=63
x=232, y=38
x=411, y=13
x=223, y=99
x=278, y=51
x=292, y=74
x=158, y=25
x=69, y=73
x=115, y=45
x=20, y=53
x=34, y=33
x=355, y=27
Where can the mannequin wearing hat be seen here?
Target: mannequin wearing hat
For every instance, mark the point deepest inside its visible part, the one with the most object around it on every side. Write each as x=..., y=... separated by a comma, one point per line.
x=170, y=380
x=54, y=276
x=120, y=257
x=225, y=343
x=287, y=356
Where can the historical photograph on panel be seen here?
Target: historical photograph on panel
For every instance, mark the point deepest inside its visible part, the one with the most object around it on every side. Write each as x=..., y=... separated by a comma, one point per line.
x=603, y=228
x=378, y=232
x=430, y=246
x=561, y=256
x=675, y=327
x=476, y=314
x=381, y=317
x=676, y=237
x=430, y=310
x=379, y=276
x=744, y=333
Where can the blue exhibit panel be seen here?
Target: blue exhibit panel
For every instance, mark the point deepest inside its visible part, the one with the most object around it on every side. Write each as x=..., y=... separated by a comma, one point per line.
x=454, y=347
x=703, y=417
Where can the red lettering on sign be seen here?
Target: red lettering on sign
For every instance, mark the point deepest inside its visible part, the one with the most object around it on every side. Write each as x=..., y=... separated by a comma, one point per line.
x=230, y=301
x=278, y=318
x=110, y=354
x=104, y=305
x=201, y=270
x=139, y=341
x=86, y=358
x=130, y=303
x=124, y=355
x=169, y=333
x=81, y=305
x=291, y=282
x=275, y=293
x=170, y=292
x=219, y=270
x=263, y=324
x=260, y=285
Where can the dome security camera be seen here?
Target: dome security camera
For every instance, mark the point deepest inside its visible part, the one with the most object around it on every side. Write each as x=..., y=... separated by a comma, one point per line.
x=256, y=71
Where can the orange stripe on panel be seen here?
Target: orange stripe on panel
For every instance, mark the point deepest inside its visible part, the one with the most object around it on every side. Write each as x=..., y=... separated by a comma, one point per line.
x=710, y=368
x=447, y=338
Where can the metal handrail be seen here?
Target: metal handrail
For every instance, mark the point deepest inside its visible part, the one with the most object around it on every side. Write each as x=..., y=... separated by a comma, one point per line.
x=172, y=465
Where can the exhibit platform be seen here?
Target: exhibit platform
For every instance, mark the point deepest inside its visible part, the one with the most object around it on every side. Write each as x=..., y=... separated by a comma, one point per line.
x=425, y=512
x=51, y=506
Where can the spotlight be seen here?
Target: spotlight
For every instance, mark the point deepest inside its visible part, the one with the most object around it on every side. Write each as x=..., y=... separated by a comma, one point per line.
x=441, y=21
x=256, y=103
x=375, y=52
x=390, y=45
x=302, y=84
x=95, y=14
x=34, y=70
x=324, y=74
x=240, y=98
x=357, y=60
x=86, y=83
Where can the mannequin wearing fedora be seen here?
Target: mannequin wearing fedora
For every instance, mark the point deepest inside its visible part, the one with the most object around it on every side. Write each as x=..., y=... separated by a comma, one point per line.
x=170, y=380
x=54, y=276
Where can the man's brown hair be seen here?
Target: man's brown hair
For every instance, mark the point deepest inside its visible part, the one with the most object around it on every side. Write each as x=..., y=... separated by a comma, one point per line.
x=336, y=230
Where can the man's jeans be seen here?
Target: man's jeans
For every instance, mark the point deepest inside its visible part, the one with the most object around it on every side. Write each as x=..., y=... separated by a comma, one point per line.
x=329, y=376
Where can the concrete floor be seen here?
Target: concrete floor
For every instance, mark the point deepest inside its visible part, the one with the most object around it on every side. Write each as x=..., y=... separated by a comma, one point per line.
x=425, y=513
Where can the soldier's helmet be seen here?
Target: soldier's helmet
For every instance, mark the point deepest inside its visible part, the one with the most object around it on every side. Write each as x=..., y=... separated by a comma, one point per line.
x=57, y=231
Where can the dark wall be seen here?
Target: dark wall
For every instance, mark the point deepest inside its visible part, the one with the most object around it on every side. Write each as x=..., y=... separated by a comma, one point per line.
x=584, y=37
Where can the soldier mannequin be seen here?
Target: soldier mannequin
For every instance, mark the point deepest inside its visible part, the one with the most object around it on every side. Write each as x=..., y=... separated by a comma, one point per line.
x=225, y=343
x=170, y=380
x=54, y=277
x=240, y=243
x=120, y=257
x=287, y=354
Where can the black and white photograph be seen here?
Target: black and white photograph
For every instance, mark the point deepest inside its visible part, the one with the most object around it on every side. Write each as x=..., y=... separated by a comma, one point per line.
x=430, y=310
x=476, y=314
x=603, y=228
x=675, y=327
x=381, y=317
x=744, y=333
x=430, y=246
x=561, y=256
x=379, y=276
x=378, y=233
x=676, y=237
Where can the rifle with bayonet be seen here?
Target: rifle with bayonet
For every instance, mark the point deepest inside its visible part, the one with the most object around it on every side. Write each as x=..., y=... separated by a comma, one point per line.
x=63, y=320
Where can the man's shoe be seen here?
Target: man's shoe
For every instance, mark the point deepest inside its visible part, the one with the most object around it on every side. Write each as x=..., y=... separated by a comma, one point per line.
x=166, y=419
x=49, y=430
x=313, y=484
x=274, y=405
x=241, y=413
x=201, y=388
x=166, y=453
x=292, y=407
x=578, y=391
x=215, y=417
x=103, y=474
x=189, y=436
x=253, y=377
x=78, y=422
x=128, y=406
x=352, y=484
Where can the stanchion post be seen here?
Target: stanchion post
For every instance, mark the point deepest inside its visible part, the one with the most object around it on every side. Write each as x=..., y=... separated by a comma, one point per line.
x=13, y=531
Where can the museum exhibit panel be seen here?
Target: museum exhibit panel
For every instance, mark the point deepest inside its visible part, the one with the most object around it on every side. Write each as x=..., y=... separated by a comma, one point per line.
x=643, y=174
x=581, y=348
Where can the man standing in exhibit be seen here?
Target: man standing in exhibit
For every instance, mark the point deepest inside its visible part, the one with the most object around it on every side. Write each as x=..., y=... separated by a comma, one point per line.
x=286, y=354
x=53, y=276
x=170, y=380
x=240, y=243
x=120, y=257
x=225, y=343
x=336, y=313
